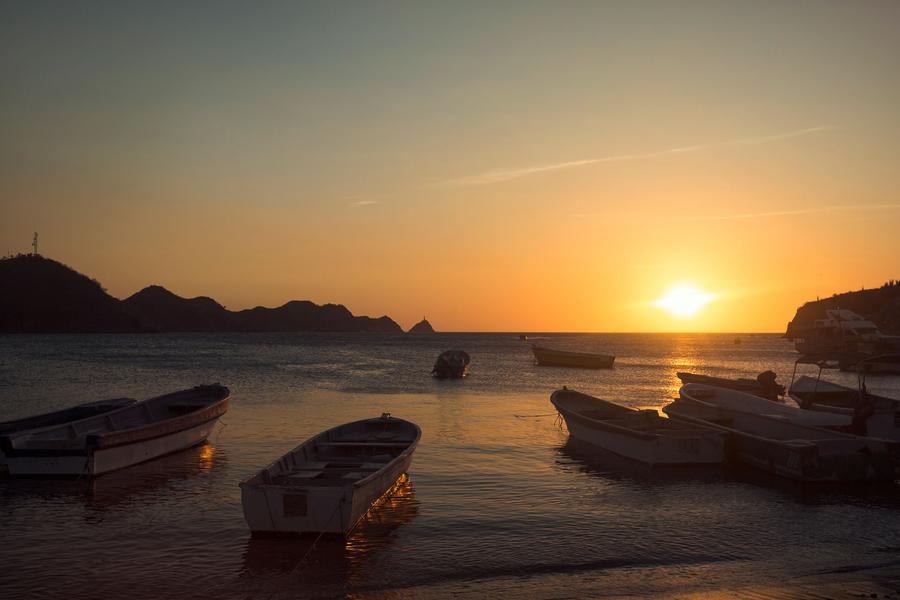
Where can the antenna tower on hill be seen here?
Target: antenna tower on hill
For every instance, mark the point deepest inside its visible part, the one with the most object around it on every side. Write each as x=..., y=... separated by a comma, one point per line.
x=34, y=244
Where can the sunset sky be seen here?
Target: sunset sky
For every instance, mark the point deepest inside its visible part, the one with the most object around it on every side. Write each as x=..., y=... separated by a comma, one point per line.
x=494, y=166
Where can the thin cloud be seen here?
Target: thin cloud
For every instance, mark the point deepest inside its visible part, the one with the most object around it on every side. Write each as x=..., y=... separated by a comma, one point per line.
x=364, y=203
x=802, y=211
x=501, y=175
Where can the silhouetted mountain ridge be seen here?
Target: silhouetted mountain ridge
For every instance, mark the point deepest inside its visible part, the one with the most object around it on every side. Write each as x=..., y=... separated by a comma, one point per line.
x=41, y=295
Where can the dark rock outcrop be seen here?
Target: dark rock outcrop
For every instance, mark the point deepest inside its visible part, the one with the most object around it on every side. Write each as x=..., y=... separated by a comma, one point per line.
x=879, y=305
x=40, y=295
x=422, y=326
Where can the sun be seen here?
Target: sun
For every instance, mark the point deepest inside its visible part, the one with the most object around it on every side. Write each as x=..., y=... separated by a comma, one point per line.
x=684, y=301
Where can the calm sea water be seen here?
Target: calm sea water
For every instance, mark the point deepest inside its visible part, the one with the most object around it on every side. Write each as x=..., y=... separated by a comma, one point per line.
x=499, y=501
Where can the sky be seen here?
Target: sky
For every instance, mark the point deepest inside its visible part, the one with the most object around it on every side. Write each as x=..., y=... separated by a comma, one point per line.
x=493, y=166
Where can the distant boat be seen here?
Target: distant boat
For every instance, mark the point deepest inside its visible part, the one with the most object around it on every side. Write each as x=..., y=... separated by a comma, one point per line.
x=763, y=386
x=66, y=415
x=118, y=438
x=329, y=482
x=523, y=337
x=804, y=453
x=582, y=360
x=641, y=435
x=452, y=364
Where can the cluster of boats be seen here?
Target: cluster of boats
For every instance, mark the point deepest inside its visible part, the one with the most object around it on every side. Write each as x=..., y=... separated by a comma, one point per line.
x=818, y=431
x=828, y=433
x=326, y=485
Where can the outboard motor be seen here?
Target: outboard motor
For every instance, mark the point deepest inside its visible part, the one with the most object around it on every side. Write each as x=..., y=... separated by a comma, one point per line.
x=770, y=387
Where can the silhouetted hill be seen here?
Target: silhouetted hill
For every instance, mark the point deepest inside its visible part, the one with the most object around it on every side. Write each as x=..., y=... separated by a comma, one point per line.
x=303, y=315
x=161, y=310
x=40, y=295
x=422, y=326
x=880, y=305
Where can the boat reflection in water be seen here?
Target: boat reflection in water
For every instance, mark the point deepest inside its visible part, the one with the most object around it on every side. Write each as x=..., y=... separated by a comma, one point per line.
x=719, y=481
x=596, y=461
x=332, y=563
x=142, y=484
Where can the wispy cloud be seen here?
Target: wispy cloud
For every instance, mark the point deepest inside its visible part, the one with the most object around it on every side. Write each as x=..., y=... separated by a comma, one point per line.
x=802, y=211
x=501, y=175
x=364, y=203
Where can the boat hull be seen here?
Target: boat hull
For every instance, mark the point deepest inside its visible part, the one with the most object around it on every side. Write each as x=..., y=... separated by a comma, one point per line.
x=105, y=460
x=273, y=509
x=694, y=450
x=577, y=360
x=796, y=452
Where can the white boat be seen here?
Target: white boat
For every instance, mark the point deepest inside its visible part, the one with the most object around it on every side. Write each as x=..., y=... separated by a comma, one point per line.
x=329, y=482
x=800, y=452
x=842, y=331
x=749, y=403
x=58, y=417
x=641, y=435
x=119, y=438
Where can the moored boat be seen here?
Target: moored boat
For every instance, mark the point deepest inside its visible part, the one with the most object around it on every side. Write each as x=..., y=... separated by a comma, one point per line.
x=734, y=400
x=65, y=415
x=763, y=386
x=118, y=438
x=329, y=482
x=774, y=444
x=452, y=364
x=582, y=360
x=641, y=435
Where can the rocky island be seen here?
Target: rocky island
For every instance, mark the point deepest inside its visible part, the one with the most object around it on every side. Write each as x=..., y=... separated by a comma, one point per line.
x=422, y=326
x=41, y=295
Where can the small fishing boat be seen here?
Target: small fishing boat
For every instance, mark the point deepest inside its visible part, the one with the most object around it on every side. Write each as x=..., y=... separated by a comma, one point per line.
x=734, y=400
x=763, y=386
x=118, y=438
x=66, y=415
x=548, y=357
x=641, y=435
x=804, y=453
x=329, y=482
x=452, y=364
x=809, y=392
